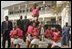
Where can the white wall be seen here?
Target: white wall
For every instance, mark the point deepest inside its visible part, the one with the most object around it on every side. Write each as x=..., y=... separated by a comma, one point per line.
x=17, y=16
x=5, y=13
x=7, y=3
x=65, y=16
x=69, y=20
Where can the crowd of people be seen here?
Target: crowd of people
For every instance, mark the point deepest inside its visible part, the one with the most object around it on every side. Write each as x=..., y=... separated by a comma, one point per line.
x=32, y=32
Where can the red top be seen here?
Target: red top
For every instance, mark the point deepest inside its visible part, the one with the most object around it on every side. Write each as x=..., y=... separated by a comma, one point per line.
x=35, y=32
x=13, y=33
x=35, y=12
x=19, y=33
x=56, y=36
x=30, y=30
x=48, y=33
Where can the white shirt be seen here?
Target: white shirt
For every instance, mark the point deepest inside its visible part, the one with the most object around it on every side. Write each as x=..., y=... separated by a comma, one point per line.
x=35, y=41
x=56, y=44
x=15, y=41
x=18, y=41
x=6, y=25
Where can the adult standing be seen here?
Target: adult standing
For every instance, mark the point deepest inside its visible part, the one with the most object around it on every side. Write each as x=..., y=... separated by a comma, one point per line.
x=6, y=28
x=20, y=23
x=26, y=23
x=65, y=34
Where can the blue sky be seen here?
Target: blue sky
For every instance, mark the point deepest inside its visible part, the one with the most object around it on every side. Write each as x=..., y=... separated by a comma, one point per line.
x=7, y=3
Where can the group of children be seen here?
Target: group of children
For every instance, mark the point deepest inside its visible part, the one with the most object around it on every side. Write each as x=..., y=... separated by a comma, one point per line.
x=16, y=36
x=34, y=35
x=34, y=32
x=51, y=34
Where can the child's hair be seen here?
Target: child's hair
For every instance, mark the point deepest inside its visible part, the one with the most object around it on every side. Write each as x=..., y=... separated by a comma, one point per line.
x=49, y=27
x=54, y=30
x=31, y=23
x=16, y=26
x=35, y=5
x=36, y=25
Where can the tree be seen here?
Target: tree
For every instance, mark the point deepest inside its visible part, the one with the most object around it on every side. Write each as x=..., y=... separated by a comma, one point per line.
x=58, y=9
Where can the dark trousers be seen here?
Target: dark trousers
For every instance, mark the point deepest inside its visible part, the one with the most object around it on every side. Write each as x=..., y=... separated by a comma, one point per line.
x=6, y=37
x=24, y=36
x=65, y=40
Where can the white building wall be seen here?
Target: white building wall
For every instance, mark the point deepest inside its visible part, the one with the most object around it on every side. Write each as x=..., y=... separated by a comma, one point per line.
x=13, y=17
x=69, y=20
x=29, y=15
x=65, y=16
x=5, y=13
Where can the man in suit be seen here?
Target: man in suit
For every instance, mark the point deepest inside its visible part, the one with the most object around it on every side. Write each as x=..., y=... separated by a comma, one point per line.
x=6, y=28
x=20, y=23
x=26, y=23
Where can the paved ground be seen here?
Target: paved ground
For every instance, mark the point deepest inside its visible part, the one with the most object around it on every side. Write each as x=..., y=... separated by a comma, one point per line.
x=23, y=46
x=43, y=45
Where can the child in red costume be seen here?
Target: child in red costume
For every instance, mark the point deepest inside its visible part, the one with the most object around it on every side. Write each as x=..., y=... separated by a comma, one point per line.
x=35, y=11
x=16, y=37
x=56, y=38
x=48, y=33
x=35, y=36
x=29, y=34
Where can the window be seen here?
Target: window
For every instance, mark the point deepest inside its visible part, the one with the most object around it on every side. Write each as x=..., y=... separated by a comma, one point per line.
x=30, y=9
x=23, y=11
x=10, y=13
x=20, y=11
x=17, y=11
